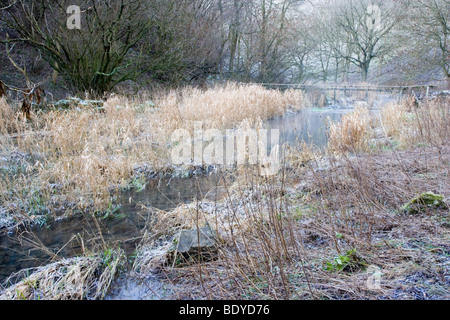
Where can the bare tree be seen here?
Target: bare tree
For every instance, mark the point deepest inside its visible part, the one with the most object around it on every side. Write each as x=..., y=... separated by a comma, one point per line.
x=94, y=57
x=302, y=48
x=272, y=28
x=433, y=27
x=184, y=43
x=257, y=39
x=364, y=27
x=330, y=41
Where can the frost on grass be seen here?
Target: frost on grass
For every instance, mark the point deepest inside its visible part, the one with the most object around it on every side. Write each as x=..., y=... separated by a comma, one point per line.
x=77, y=278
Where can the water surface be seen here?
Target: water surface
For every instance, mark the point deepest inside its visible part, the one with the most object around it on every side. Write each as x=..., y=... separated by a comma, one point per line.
x=309, y=125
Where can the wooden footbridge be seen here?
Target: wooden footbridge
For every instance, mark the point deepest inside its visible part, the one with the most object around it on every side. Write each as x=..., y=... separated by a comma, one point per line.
x=360, y=88
x=418, y=91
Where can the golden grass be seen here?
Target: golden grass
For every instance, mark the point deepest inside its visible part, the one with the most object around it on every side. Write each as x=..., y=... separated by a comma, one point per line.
x=277, y=235
x=403, y=122
x=411, y=125
x=8, y=118
x=393, y=117
x=352, y=133
x=225, y=107
x=87, y=151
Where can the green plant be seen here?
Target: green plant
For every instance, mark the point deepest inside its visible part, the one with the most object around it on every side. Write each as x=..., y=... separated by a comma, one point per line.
x=427, y=200
x=111, y=211
x=137, y=184
x=349, y=262
x=36, y=204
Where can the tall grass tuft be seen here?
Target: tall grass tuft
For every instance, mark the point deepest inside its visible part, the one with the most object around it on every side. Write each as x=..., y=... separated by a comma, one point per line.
x=8, y=119
x=411, y=125
x=226, y=106
x=352, y=133
x=80, y=278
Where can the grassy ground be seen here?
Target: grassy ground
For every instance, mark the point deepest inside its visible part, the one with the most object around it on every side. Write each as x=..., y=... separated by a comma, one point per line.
x=329, y=226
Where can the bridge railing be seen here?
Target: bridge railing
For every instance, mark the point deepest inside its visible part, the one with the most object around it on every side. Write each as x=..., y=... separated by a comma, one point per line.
x=345, y=87
x=401, y=90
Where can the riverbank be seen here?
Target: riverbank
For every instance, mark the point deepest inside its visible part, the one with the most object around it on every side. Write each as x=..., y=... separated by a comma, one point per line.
x=336, y=226
x=74, y=160
x=322, y=227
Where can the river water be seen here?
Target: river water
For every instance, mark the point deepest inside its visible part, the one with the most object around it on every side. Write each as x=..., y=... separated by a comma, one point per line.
x=126, y=226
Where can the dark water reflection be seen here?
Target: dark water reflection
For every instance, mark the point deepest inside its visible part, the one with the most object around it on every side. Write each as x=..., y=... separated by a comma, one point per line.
x=123, y=228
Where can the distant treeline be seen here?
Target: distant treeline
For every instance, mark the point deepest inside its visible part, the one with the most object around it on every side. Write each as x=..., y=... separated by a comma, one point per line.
x=96, y=44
